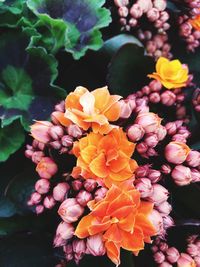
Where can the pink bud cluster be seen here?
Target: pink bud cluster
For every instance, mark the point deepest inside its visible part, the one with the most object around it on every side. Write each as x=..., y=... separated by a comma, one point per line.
x=146, y=183
x=190, y=35
x=166, y=256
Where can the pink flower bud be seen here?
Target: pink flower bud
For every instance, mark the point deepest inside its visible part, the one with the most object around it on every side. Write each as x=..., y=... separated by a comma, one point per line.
x=42, y=186
x=46, y=168
x=171, y=128
x=195, y=174
x=49, y=202
x=181, y=175
x=56, y=145
x=154, y=175
x=60, y=106
x=193, y=250
x=95, y=245
x=159, y=257
x=151, y=140
x=90, y=185
x=60, y=191
x=39, y=131
x=185, y=261
x=151, y=152
x=143, y=171
x=192, y=239
x=179, y=138
x=75, y=131
x=79, y=246
x=39, y=209
x=67, y=140
x=160, y=4
x=163, y=246
x=100, y=193
x=160, y=194
x=167, y=221
x=166, y=169
x=165, y=264
x=126, y=108
x=155, y=85
x=161, y=133
x=157, y=221
x=168, y=98
x=123, y=11
x=197, y=261
x=136, y=11
x=64, y=232
x=145, y=5
x=164, y=208
x=144, y=186
x=120, y=3
x=193, y=159
x=153, y=14
x=172, y=255
x=142, y=147
x=29, y=153
x=35, y=198
x=83, y=197
x=56, y=132
x=135, y=132
x=176, y=152
x=37, y=156
x=77, y=185
x=149, y=121
x=154, y=248
x=70, y=210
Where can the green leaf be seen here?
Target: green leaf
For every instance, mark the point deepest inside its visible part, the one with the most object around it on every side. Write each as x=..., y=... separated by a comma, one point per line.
x=26, y=250
x=17, y=89
x=20, y=189
x=73, y=25
x=27, y=91
x=11, y=138
x=128, y=70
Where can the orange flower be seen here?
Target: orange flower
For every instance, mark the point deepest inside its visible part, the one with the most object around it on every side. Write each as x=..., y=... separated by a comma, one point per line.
x=92, y=109
x=172, y=74
x=195, y=22
x=122, y=218
x=105, y=157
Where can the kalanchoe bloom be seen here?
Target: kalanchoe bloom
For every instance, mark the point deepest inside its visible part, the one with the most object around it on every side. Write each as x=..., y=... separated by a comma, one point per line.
x=56, y=132
x=42, y=186
x=70, y=210
x=172, y=254
x=193, y=250
x=64, y=232
x=181, y=175
x=37, y=156
x=79, y=249
x=195, y=174
x=172, y=74
x=40, y=131
x=77, y=185
x=90, y=185
x=74, y=131
x=164, y=208
x=105, y=157
x=95, y=245
x=92, y=109
x=46, y=168
x=185, y=261
x=165, y=264
x=149, y=121
x=119, y=228
x=60, y=191
x=39, y=209
x=176, y=152
x=126, y=108
x=154, y=176
x=157, y=221
x=34, y=199
x=195, y=22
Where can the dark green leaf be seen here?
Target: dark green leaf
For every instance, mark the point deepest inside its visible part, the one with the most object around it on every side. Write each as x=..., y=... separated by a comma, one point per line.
x=11, y=138
x=128, y=70
x=73, y=25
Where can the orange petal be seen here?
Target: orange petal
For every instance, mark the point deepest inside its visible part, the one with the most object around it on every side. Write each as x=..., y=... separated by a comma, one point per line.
x=127, y=224
x=113, y=252
x=87, y=101
x=76, y=172
x=98, y=227
x=113, y=234
x=76, y=120
x=98, y=166
x=82, y=227
x=113, y=112
x=146, y=226
x=100, y=208
x=102, y=96
x=119, y=163
x=60, y=116
x=88, y=154
x=132, y=242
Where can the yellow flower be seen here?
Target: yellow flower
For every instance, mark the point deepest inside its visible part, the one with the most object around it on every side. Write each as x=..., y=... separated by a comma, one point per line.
x=195, y=22
x=172, y=74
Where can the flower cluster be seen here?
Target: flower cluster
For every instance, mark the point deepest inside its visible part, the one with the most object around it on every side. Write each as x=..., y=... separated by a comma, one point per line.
x=168, y=256
x=102, y=163
x=150, y=22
